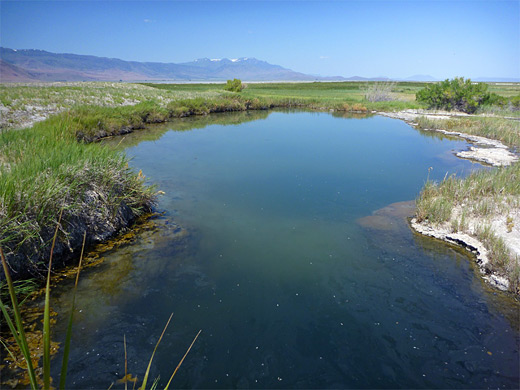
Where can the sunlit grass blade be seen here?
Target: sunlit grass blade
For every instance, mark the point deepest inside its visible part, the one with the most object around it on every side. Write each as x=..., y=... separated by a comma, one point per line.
x=143, y=386
x=66, y=349
x=155, y=383
x=18, y=331
x=184, y=357
x=47, y=319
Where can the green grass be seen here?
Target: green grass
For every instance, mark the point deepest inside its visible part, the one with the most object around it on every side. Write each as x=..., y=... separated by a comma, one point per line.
x=504, y=89
x=314, y=95
x=26, y=102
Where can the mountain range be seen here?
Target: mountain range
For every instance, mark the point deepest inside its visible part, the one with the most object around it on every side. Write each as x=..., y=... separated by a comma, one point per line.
x=40, y=65
x=30, y=65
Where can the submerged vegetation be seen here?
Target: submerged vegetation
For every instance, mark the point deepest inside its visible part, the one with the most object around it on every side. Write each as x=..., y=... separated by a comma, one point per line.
x=39, y=373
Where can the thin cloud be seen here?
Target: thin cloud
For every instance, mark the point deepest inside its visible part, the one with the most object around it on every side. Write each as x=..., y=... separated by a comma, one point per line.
x=149, y=21
x=324, y=57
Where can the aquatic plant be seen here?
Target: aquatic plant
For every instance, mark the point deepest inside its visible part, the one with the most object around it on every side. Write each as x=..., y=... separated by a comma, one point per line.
x=16, y=327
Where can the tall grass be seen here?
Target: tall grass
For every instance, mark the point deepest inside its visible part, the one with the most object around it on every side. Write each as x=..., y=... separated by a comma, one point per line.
x=498, y=185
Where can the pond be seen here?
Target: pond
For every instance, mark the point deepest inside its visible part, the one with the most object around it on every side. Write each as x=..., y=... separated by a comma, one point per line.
x=284, y=237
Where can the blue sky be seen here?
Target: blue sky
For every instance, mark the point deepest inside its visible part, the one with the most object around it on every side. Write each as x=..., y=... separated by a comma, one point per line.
x=347, y=38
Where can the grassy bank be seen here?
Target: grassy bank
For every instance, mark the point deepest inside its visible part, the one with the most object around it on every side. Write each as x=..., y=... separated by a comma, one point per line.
x=342, y=96
x=44, y=170
x=486, y=204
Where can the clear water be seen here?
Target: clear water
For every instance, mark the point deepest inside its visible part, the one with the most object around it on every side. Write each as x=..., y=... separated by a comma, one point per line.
x=293, y=279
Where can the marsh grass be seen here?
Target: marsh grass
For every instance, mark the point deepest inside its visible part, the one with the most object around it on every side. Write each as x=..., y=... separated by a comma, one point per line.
x=44, y=170
x=481, y=192
x=23, y=289
x=505, y=130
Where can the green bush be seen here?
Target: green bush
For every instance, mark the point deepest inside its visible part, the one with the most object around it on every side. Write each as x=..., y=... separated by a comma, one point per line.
x=234, y=85
x=457, y=94
x=514, y=103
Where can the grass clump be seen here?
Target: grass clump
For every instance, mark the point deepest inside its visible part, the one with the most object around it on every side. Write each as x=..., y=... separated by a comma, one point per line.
x=483, y=190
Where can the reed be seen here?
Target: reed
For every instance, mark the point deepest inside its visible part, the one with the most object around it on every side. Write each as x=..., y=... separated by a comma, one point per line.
x=18, y=330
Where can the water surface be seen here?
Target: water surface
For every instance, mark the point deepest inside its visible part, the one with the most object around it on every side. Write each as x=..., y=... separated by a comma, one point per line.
x=276, y=261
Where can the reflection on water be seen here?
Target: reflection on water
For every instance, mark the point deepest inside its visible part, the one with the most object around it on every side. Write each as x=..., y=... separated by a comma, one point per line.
x=286, y=264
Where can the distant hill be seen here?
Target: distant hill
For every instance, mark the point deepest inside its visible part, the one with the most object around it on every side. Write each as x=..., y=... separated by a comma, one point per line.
x=12, y=72
x=40, y=65
x=359, y=78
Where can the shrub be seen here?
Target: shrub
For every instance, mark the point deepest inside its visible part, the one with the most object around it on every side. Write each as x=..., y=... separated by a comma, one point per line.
x=379, y=92
x=457, y=94
x=514, y=103
x=234, y=85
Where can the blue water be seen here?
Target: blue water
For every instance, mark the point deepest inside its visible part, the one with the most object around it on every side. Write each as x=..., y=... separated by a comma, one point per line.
x=268, y=244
